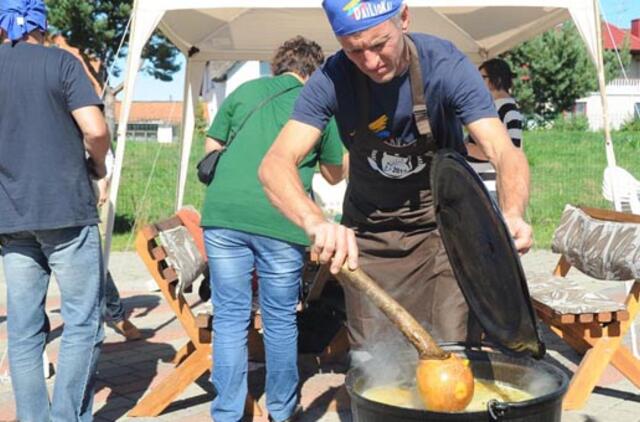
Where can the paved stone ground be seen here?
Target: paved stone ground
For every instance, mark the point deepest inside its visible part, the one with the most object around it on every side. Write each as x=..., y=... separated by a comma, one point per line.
x=128, y=370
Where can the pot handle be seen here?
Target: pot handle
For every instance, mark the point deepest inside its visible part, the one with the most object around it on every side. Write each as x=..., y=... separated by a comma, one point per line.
x=497, y=409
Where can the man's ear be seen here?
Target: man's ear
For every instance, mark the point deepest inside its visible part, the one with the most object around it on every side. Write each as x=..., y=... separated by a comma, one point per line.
x=404, y=18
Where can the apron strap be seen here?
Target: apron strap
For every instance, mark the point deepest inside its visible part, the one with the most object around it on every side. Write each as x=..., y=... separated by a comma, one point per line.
x=363, y=98
x=420, y=112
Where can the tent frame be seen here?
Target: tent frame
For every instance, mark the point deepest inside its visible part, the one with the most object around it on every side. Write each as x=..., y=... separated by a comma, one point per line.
x=150, y=14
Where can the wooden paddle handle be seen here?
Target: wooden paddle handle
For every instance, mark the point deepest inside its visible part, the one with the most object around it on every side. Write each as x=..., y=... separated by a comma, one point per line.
x=412, y=330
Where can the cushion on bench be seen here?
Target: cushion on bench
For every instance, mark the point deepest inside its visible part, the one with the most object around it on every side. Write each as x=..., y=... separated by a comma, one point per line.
x=605, y=250
x=568, y=296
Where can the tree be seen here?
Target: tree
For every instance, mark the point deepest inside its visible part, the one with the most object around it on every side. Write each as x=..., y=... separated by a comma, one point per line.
x=554, y=69
x=96, y=27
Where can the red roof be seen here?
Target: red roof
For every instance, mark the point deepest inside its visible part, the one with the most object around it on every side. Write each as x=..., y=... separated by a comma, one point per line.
x=169, y=112
x=617, y=37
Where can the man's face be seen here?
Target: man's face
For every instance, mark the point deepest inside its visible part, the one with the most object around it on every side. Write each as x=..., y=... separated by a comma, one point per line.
x=379, y=52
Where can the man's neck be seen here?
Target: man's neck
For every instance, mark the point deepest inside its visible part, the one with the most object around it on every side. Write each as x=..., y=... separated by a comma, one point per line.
x=298, y=77
x=35, y=37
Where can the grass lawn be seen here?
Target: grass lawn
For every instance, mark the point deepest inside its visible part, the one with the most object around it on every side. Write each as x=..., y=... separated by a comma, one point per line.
x=566, y=167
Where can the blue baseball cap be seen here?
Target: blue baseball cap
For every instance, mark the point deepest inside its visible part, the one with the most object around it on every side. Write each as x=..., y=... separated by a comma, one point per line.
x=19, y=17
x=350, y=16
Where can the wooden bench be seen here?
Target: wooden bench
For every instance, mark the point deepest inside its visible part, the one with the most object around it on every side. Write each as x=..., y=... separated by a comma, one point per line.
x=592, y=324
x=194, y=358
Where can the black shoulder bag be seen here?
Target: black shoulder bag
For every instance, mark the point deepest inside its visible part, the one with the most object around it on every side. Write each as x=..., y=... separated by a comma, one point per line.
x=207, y=166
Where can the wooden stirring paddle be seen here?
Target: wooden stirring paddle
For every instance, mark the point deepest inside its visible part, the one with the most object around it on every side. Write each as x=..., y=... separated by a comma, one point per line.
x=445, y=382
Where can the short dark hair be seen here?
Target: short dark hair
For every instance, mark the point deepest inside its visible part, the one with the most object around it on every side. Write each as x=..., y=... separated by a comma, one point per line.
x=298, y=55
x=499, y=73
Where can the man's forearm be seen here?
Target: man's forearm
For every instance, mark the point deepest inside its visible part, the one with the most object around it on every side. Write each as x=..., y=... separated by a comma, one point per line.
x=284, y=189
x=513, y=182
x=97, y=147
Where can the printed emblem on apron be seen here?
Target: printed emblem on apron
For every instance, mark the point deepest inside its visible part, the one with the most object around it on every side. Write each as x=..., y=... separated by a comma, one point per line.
x=395, y=166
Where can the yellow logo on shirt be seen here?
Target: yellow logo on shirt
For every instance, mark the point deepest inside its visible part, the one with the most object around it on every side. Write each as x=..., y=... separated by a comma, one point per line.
x=379, y=127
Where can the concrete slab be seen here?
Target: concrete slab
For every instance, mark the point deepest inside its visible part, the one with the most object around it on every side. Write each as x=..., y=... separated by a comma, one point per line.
x=128, y=370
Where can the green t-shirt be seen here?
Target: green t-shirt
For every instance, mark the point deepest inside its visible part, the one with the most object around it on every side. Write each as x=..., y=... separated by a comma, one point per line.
x=235, y=199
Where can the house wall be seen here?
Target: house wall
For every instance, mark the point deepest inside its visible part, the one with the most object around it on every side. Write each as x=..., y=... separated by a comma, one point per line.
x=241, y=73
x=622, y=97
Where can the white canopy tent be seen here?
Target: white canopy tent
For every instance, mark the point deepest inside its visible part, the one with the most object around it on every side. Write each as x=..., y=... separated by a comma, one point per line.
x=251, y=30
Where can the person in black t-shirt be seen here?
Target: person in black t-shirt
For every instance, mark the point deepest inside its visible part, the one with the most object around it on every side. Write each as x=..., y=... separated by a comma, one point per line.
x=50, y=117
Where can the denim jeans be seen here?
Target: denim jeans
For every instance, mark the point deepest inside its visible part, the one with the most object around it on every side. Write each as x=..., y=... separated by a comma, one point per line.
x=233, y=255
x=113, y=310
x=73, y=255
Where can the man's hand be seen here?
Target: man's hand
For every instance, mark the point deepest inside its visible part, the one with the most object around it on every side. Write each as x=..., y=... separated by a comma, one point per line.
x=332, y=242
x=103, y=191
x=521, y=233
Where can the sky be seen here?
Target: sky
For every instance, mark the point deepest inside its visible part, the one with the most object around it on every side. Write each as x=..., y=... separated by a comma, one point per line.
x=617, y=12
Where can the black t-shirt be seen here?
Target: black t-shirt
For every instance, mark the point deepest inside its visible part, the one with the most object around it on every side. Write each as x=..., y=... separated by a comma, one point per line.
x=44, y=183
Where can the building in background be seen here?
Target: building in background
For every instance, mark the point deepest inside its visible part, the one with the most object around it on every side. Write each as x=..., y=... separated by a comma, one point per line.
x=222, y=77
x=153, y=120
x=623, y=95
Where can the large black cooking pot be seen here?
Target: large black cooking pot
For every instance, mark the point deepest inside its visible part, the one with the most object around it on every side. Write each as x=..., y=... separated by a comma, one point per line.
x=546, y=383
x=487, y=268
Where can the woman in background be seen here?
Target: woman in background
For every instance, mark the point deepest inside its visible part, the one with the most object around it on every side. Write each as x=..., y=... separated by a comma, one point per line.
x=498, y=78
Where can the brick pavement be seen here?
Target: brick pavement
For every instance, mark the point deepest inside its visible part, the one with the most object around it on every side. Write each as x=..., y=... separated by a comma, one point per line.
x=128, y=370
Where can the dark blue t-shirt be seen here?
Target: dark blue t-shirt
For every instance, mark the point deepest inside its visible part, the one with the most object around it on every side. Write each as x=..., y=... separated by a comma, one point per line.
x=453, y=88
x=44, y=183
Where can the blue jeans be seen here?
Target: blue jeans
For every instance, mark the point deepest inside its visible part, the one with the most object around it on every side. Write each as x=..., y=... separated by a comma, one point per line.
x=74, y=256
x=232, y=257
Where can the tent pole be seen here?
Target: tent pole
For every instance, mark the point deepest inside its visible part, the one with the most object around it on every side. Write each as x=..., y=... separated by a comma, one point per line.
x=611, y=159
x=142, y=26
x=193, y=81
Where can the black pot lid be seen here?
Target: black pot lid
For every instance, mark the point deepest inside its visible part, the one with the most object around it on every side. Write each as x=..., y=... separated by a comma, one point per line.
x=483, y=256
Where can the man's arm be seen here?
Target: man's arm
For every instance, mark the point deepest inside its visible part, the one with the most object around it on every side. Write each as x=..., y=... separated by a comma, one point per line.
x=512, y=172
x=281, y=181
x=96, y=136
x=211, y=144
x=332, y=173
x=474, y=151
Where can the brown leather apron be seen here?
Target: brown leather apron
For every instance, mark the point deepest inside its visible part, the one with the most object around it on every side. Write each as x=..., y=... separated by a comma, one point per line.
x=389, y=205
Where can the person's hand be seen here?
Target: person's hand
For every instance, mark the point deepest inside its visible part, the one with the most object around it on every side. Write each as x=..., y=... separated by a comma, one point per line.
x=521, y=232
x=332, y=242
x=103, y=191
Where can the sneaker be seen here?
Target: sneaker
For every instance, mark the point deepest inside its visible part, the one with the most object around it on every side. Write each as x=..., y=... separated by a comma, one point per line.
x=294, y=416
x=126, y=329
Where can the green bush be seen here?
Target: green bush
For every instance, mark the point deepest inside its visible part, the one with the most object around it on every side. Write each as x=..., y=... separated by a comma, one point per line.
x=571, y=123
x=632, y=125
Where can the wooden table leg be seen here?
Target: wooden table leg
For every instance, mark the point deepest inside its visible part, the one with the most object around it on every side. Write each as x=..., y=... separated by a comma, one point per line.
x=175, y=383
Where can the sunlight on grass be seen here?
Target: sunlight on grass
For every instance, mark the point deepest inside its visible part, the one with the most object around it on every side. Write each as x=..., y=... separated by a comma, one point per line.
x=566, y=167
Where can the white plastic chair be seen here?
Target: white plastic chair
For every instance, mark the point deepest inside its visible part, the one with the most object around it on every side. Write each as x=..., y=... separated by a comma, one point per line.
x=620, y=187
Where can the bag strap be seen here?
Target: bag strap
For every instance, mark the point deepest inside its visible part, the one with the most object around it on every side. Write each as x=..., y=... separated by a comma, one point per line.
x=256, y=108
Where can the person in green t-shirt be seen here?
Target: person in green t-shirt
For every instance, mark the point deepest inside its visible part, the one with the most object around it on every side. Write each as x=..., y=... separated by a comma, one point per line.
x=243, y=232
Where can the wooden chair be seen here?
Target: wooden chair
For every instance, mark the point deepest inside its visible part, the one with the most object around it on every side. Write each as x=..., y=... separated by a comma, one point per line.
x=174, y=275
x=601, y=244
